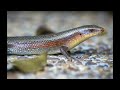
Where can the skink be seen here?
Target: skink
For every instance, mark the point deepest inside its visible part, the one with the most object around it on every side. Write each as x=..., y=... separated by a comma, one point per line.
x=52, y=43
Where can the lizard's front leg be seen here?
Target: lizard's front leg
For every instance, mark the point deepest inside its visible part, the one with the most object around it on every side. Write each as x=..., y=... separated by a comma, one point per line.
x=64, y=51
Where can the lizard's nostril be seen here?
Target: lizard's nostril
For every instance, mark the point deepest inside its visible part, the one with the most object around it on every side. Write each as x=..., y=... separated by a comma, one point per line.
x=102, y=30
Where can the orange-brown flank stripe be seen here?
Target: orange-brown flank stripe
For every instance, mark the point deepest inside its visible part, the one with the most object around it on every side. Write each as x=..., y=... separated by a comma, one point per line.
x=63, y=41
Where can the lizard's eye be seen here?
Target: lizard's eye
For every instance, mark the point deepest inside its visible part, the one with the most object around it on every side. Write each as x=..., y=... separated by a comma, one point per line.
x=80, y=34
x=91, y=30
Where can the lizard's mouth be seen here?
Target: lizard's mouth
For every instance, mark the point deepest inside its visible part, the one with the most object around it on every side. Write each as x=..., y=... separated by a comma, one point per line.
x=99, y=33
x=102, y=32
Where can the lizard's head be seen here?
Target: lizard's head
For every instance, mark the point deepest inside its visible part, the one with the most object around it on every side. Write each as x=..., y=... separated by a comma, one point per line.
x=92, y=30
x=83, y=33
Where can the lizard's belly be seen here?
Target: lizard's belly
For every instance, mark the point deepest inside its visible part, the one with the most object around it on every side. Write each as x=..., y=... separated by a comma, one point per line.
x=54, y=50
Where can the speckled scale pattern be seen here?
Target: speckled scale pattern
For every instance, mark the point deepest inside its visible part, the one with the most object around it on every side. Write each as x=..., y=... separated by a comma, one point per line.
x=50, y=43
